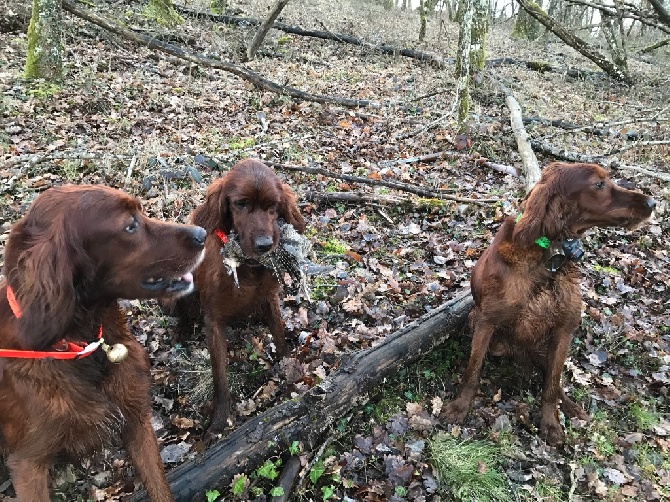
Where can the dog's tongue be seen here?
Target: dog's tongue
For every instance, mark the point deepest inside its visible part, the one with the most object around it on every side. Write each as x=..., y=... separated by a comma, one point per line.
x=187, y=277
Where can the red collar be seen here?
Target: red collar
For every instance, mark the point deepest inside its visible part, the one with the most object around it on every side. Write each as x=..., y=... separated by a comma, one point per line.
x=221, y=235
x=62, y=349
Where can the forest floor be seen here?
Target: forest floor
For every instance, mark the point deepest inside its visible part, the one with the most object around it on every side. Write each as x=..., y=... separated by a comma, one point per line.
x=393, y=258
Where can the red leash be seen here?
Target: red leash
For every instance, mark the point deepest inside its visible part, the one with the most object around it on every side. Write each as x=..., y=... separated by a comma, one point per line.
x=62, y=348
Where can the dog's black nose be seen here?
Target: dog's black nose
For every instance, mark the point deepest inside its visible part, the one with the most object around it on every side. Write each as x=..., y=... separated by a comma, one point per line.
x=651, y=203
x=198, y=235
x=263, y=244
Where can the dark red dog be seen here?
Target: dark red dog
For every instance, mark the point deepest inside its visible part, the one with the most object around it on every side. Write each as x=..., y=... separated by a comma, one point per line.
x=246, y=205
x=67, y=261
x=525, y=285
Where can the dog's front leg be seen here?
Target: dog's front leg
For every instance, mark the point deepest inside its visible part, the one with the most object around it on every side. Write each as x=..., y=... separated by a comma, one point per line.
x=30, y=478
x=550, y=427
x=456, y=410
x=275, y=324
x=217, y=344
x=142, y=447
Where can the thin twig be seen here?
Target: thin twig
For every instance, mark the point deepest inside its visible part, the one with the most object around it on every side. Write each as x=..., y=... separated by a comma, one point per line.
x=33, y=158
x=562, y=154
x=610, y=124
x=129, y=172
x=353, y=198
x=396, y=185
x=636, y=145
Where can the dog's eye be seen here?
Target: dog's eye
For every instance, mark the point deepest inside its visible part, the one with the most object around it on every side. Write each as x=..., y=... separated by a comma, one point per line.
x=599, y=185
x=241, y=204
x=132, y=227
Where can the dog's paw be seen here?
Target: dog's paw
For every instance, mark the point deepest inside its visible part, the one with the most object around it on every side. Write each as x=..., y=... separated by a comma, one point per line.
x=552, y=432
x=572, y=409
x=214, y=433
x=455, y=411
x=221, y=425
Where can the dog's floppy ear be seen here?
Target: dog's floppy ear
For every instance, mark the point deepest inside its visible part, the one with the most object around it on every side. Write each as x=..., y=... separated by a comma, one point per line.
x=545, y=214
x=289, y=211
x=40, y=263
x=214, y=214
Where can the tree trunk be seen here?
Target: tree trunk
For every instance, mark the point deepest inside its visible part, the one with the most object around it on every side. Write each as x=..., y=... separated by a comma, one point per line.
x=463, y=62
x=309, y=418
x=615, y=36
x=655, y=46
x=44, y=58
x=162, y=11
x=576, y=43
x=526, y=27
x=480, y=26
x=422, y=15
x=264, y=28
x=662, y=13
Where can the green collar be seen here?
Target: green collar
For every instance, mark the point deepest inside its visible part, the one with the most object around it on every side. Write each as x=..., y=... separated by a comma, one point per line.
x=543, y=241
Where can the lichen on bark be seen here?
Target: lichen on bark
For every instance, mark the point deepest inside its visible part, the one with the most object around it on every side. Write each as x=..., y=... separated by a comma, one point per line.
x=463, y=63
x=527, y=27
x=480, y=26
x=218, y=6
x=422, y=15
x=44, y=57
x=163, y=12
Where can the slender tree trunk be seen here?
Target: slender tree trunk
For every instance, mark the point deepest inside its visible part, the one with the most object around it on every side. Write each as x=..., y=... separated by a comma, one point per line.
x=459, y=11
x=264, y=28
x=463, y=62
x=615, y=36
x=662, y=12
x=480, y=26
x=422, y=15
x=652, y=47
x=44, y=58
x=527, y=27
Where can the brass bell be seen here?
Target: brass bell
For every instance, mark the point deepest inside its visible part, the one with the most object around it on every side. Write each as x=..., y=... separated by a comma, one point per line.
x=117, y=353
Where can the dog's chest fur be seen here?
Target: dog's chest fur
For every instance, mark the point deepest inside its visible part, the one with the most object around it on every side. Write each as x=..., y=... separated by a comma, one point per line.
x=528, y=304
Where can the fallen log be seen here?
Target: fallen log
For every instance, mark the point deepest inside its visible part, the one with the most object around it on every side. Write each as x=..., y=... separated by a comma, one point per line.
x=434, y=59
x=241, y=71
x=309, y=417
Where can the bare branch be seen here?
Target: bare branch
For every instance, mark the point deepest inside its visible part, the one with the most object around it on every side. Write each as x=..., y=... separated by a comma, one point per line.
x=240, y=71
x=396, y=185
x=628, y=12
x=575, y=42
